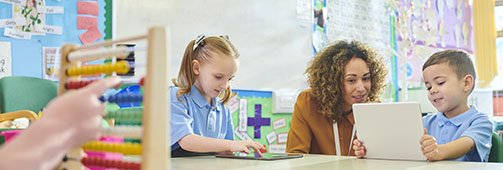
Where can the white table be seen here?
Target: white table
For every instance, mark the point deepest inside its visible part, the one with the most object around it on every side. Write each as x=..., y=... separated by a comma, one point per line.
x=322, y=162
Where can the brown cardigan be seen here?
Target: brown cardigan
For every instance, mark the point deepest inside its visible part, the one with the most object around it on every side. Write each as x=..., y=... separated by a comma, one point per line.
x=311, y=132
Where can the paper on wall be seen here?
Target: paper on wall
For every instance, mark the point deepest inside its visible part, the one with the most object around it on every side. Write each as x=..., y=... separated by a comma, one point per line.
x=12, y=1
x=242, y=135
x=50, y=62
x=5, y=59
x=87, y=7
x=51, y=29
x=271, y=137
x=243, y=115
x=9, y=32
x=90, y=36
x=277, y=148
x=53, y=10
x=282, y=138
x=10, y=22
x=84, y=22
x=279, y=123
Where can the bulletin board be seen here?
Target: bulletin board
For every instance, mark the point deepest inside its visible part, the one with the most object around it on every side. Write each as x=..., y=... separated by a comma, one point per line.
x=404, y=32
x=253, y=119
x=48, y=25
x=428, y=26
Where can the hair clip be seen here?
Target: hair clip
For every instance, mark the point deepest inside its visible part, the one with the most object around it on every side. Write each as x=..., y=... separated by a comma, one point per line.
x=199, y=41
x=226, y=37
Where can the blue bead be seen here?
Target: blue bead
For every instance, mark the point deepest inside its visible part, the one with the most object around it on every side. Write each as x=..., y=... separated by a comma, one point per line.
x=102, y=99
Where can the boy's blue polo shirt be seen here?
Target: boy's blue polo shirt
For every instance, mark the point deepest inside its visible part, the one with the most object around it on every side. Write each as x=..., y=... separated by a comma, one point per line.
x=472, y=124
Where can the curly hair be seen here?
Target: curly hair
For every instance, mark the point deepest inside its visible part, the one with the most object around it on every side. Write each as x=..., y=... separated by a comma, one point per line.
x=325, y=75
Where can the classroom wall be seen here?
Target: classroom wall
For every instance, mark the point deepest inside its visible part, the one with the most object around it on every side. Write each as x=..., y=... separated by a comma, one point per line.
x=274, y=48
x=27, y=53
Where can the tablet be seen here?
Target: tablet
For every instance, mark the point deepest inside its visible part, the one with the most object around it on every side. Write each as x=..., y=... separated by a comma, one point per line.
x=390, y=130
x=265, y=156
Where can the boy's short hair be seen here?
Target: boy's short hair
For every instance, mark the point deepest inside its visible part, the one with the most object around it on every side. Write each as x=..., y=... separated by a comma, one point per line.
x=457, y=60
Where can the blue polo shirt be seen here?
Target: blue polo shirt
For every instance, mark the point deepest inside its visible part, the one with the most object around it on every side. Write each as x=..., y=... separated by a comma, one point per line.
x=192, y=114
x=472, y=124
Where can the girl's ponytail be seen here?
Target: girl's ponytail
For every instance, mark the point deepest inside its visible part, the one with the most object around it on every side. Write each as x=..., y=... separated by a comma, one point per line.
x=185, y=75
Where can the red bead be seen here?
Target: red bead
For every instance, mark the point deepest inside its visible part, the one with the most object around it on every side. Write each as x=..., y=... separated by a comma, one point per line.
x=142, y=81
x=119, y=164
x=78, y=84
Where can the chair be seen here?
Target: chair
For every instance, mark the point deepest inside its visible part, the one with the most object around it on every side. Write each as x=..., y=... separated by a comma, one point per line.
x=496, y=154
x=18, y=114
x=25, y=93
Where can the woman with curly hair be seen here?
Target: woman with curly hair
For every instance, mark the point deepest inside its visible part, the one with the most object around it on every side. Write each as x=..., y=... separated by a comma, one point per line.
x=342, y=74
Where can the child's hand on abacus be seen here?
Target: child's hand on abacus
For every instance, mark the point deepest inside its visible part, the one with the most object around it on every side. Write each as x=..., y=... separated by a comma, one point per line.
x=244, y=146
x=80, y=110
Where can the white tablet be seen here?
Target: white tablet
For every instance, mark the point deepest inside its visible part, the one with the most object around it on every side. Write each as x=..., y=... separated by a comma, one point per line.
x=390, y=130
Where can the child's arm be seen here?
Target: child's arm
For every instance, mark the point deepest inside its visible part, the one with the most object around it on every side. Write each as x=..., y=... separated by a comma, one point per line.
x=68, y=122
x=197, y=143
x=434, y=152
x=474, y=143
x=454, y=149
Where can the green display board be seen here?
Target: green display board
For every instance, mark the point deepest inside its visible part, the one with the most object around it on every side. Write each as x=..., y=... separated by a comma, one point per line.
x=262, y=125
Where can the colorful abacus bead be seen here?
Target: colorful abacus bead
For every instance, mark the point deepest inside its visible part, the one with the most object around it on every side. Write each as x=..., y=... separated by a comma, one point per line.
x=142, y=81
x=107, y=163
x=121, y=67
x=77, y=84
x=124, y=148
x=125, y=98
x=131, y=114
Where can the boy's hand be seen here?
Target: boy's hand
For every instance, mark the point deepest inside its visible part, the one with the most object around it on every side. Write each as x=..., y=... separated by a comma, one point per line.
x=243, y=146
x=429, y=147
x=360, y=150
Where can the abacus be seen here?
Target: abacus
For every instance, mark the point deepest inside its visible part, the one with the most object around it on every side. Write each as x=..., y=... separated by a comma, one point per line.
x=150, y=140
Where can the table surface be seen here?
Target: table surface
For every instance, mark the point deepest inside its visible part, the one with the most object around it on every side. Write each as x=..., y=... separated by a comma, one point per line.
x=322, y=162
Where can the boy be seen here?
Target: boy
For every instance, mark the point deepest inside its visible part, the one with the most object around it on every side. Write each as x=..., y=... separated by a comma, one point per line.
x=458, y=132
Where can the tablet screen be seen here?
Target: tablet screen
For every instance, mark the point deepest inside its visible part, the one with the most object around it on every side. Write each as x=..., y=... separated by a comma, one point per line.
x=265, y=156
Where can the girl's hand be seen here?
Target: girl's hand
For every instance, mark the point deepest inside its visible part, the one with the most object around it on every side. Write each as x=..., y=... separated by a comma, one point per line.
x=243, y=146
x=359, y=148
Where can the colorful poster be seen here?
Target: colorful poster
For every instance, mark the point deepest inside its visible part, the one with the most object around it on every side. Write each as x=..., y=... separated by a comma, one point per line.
x=31, y=12
x=47, y=23
x=427, y=26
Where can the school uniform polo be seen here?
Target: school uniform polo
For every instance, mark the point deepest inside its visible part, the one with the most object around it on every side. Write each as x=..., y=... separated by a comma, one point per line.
x=471, y=123
x=192, y=114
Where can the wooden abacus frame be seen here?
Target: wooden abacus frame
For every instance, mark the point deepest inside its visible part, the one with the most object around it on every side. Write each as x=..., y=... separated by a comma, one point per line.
x=155, y=122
